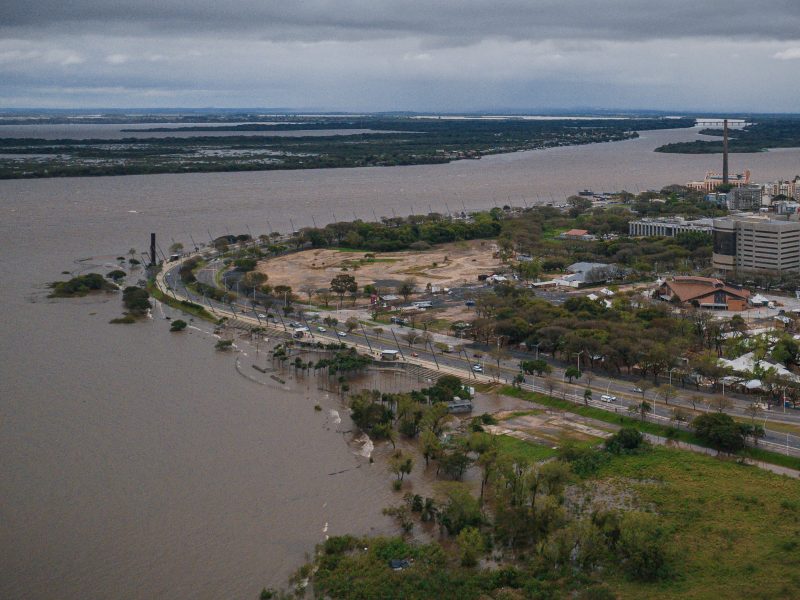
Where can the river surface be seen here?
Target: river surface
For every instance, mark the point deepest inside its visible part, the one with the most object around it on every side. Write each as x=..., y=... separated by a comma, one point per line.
x=140, y=464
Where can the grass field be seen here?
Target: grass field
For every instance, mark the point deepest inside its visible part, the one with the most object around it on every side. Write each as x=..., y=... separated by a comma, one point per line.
x=519, y=450
x=646, y=426
x=736, y=529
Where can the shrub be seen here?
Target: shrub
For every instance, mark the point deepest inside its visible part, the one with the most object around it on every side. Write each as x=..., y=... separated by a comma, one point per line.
x=626, y=440
x=178, y=325
x=642, y=546
x=223, y=345
x=116, y=274
x=136, y=300
x=126, y=319
x=583, y=461
x=80, y=286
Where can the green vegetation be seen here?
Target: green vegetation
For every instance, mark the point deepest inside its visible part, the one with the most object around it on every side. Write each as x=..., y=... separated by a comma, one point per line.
x=81, y=286
x=136, y=300
x=648, y=522
x=523, y=451
x=344, y=362
x=400, y=233
x=126, y=319
x=178, y=325
x=116, y=275
x=188, y=307
x=783, y=132
x=664, y=431
x=223, y=345
x=393, y=141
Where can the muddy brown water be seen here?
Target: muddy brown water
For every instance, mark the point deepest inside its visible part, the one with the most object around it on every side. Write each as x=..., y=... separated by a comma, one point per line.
x=140, y=464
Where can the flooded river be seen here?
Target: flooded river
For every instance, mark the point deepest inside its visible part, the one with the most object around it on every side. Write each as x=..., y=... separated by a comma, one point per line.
x=140, y=464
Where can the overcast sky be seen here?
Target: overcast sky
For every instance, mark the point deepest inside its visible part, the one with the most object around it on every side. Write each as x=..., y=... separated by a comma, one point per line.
x=437, y=55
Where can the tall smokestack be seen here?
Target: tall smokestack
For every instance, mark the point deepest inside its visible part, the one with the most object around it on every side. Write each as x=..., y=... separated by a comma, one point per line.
x=725, y=152
x=153, y=260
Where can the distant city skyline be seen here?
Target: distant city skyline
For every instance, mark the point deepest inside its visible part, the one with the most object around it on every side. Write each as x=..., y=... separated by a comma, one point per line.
x=379, y=55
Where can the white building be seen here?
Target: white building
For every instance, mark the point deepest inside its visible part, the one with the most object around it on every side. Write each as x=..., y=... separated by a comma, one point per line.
x=667, y=226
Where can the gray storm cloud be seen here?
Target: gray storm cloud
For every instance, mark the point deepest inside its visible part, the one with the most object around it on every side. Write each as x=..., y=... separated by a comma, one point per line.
x=468, y=20
x=416, y=55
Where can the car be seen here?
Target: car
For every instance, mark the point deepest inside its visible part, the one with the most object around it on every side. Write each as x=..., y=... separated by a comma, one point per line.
x=637, y=390
x=321, y=329
x=260, y=316
x=608, y=398
x=414, y=354
x=341, y=333
x=477, y=368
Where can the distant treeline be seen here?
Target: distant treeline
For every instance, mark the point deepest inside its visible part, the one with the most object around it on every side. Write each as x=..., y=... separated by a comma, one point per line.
x=773, y=133
x=416, y=232
x=474, y=127
x=394, y=141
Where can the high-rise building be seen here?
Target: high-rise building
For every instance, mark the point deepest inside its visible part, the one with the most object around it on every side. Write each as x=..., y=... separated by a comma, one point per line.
x=755, y=243
x=746, y=197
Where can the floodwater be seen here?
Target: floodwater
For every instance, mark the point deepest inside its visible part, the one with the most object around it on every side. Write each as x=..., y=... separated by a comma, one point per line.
x=140, y=464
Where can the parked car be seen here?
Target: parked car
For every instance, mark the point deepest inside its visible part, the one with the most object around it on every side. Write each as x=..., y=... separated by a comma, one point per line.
x=608, y=398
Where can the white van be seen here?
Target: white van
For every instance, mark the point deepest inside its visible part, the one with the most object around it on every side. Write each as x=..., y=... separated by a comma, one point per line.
x=607, y=398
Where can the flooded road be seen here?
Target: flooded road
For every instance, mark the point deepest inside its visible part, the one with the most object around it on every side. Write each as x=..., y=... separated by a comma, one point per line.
x=141, y=464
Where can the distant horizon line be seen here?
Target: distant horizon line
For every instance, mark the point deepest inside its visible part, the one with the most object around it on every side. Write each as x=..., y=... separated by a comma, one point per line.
x=576, y=111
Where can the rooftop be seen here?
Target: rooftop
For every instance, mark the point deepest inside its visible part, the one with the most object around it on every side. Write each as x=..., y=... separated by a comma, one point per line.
x=689, y=288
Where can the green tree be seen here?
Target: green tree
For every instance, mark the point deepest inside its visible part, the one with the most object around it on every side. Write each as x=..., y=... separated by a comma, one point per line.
x=343, y=284
x=643, y=408
x=430, y=445
x=572, y=373
x=254, y=279
x=461, y=509
x=538, y=366
x=626, y=439
x=470, y=546
x=406, y=288
x=400, y=464
x=587, y=395
x=719, y=431
x=667, y=392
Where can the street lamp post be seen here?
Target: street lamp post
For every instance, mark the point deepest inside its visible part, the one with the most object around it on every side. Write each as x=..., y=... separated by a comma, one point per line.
x=670, y=374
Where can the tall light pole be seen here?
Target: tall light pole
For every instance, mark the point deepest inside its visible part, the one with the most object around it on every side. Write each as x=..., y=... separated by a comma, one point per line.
x=670, y=374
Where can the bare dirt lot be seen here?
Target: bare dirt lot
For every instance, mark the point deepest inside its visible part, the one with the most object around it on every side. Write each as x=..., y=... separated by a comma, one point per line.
x=448, y=265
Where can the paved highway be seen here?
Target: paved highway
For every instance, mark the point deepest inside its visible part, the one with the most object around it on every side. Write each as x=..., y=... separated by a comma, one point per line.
x=464, y=363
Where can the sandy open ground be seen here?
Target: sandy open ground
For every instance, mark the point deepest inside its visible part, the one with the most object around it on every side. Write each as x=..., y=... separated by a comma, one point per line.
x=447, y=265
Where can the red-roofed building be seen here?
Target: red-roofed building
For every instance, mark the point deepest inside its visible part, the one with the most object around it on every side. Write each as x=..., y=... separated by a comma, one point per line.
x=577, y=234
x=704, y=292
